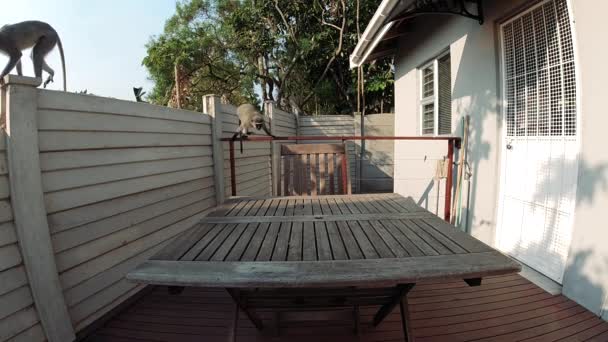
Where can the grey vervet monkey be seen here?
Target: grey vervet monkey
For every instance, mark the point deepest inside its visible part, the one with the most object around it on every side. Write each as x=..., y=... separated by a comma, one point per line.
x=139, y=94
x=249, y=118
x=37, y=34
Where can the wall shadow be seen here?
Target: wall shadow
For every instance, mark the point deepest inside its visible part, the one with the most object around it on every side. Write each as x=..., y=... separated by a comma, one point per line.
x=475, y=94
x=377, y=162
x=476, y=84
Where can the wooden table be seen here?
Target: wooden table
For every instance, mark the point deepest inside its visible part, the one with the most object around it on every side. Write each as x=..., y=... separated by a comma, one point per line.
x=308, y=252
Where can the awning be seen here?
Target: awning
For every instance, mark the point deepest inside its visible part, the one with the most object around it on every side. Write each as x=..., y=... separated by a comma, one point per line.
x=391, y=22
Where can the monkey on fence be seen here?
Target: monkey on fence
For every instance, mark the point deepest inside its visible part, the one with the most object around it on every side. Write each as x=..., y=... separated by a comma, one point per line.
x=39, y=35
x=139, y=94
x=249, y=118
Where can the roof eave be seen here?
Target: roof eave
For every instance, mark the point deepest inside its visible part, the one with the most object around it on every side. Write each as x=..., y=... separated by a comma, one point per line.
x=373, y=33
x=370, y=38
x=371, y=47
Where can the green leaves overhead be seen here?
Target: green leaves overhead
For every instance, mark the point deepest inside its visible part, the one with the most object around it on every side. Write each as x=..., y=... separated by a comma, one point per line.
x=294, y=52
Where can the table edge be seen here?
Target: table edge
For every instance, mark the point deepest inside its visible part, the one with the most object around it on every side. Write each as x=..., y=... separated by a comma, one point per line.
x=331, y=273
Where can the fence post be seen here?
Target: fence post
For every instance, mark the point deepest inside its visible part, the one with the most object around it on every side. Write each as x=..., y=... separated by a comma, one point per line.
x=274, y=152
x=358, y=152
x=211, y=106
x=29, y=210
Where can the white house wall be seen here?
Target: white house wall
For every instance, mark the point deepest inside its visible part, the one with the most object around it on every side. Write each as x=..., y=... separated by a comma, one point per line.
x=476, y=92
x=586, y=277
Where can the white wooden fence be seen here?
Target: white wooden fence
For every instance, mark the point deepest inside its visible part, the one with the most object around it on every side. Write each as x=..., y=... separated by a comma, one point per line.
x=91, y=186
x=18, y=315
x=253, y=169
x=97, y=185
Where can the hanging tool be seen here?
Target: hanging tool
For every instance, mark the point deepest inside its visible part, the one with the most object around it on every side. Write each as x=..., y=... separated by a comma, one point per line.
x=441, y=172
x=457, y=204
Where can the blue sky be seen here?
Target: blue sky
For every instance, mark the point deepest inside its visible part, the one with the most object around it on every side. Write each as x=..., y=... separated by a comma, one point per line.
x=104, y=40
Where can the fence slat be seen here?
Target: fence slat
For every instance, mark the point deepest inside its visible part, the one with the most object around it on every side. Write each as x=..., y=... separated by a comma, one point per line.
x=331, y=169
x=287, y=162
x=322, y=163
x=313, y=174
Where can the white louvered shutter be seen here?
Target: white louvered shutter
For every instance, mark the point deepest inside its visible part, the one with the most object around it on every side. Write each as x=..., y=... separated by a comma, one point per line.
x=444, y=115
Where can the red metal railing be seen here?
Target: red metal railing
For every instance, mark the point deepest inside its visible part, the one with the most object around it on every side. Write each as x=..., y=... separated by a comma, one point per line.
x=453, y=142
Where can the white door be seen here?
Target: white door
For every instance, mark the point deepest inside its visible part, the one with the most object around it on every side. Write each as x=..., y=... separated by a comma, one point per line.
x=540, y=147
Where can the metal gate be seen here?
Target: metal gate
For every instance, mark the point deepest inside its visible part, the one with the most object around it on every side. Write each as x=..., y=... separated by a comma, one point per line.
x=540, y=149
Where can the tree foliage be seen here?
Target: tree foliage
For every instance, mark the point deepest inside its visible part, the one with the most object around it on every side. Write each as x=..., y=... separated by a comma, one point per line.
x=294, y=52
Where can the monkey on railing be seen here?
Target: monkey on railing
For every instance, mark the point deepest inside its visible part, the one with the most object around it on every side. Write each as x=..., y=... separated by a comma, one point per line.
x=37, y=34
x=249, y=118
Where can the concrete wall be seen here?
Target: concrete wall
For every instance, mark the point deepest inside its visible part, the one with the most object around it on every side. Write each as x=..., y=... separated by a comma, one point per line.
x=376, y=173
x=586, y=277
x=476, y=92
x=285, y=124
x=332, y=125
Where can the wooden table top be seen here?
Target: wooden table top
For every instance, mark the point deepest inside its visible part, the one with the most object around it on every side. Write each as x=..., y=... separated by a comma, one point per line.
x=325, y=241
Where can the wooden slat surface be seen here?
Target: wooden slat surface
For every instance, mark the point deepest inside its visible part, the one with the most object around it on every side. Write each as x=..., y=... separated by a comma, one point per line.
x=327, y=239
x=504, y=309
x=296, y=214
x=374, y=227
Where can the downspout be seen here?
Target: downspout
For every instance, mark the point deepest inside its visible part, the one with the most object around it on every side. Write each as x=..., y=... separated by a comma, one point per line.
x=362, y=153
x=604, y=309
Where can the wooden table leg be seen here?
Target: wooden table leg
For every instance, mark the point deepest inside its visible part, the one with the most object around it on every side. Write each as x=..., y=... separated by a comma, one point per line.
x=235, y=324
x=473, y=281
x=277, y=323
x=357, y=320
x=387, y=308
x=175, y=290
x=252, y=317
x=405, y=319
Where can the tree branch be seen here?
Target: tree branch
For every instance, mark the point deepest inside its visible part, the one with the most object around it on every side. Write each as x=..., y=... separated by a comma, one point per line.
x=341, y=89
x=287, y=26
x=323, y=22
x=333, y=57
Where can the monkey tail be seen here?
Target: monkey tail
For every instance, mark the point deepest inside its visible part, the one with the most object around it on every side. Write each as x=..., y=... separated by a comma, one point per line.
x=238, y=134
x=60, y=46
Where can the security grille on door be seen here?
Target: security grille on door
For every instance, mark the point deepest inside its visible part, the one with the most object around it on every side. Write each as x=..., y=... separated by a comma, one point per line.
x=540, y=155
x=539, y=73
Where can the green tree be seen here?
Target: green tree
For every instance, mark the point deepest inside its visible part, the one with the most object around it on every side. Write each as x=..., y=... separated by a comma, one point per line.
x=292, y=52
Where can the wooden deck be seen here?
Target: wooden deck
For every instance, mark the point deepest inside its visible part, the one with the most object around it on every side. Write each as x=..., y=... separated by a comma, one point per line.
x=503, y=308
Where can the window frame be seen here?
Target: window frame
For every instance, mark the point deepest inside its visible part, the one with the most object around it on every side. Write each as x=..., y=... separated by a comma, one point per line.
x=434, y=99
